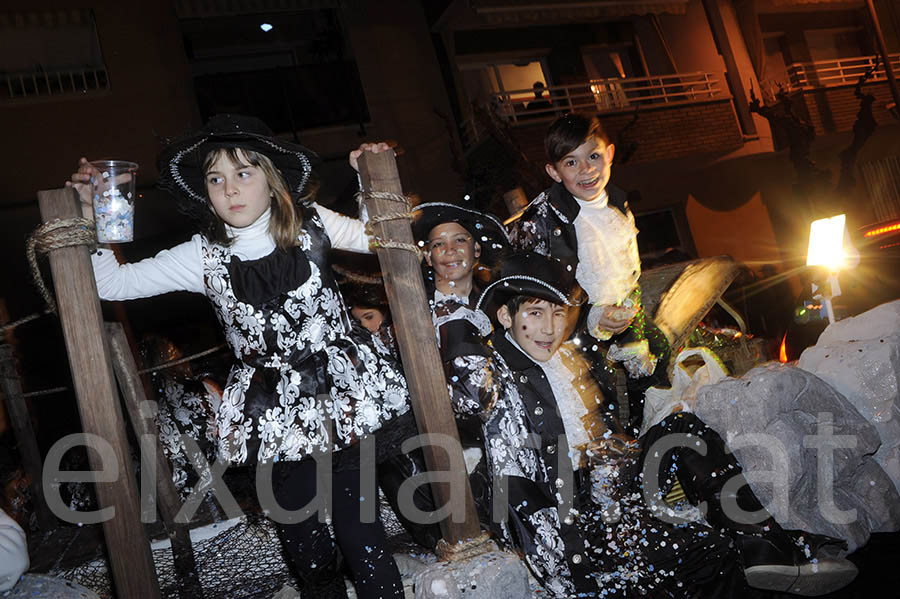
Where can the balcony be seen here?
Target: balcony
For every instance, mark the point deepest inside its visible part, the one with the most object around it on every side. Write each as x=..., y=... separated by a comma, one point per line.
x=833, y=73
x=34, y=84
x=667, y=115
x=824, y=91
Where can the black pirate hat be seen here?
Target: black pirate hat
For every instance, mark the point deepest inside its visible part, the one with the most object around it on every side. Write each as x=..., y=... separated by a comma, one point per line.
x=533, y=275
x=360, y=279
x=181, y=161
x=485, y=229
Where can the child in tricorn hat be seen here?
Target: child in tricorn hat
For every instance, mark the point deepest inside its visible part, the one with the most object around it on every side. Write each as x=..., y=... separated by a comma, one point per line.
x=461, y=245
x=573, y=495
x=302, y=384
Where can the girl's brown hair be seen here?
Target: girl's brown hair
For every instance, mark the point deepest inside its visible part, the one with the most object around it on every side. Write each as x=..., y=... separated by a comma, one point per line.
x=286, y=220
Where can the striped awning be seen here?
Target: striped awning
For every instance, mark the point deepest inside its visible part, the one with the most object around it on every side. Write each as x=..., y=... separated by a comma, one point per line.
x=532, y=12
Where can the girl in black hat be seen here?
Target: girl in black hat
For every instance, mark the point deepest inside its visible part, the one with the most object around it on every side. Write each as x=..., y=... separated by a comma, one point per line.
x=301, y=385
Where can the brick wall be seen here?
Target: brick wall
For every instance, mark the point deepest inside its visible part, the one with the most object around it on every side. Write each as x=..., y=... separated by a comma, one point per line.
x=661, y=133
x=833, y=109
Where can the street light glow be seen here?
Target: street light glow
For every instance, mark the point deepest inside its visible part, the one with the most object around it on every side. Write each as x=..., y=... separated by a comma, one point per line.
x=826, y=242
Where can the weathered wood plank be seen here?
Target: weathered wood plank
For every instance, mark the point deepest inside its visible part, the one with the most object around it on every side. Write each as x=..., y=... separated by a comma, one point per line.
x=20, y=420
x=168, y=501
x=131, y=563
x=417, y=342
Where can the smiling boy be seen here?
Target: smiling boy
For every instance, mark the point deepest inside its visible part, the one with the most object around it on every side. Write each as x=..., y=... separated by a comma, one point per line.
x=586, y=224
x=566, y=405
x=458, y=242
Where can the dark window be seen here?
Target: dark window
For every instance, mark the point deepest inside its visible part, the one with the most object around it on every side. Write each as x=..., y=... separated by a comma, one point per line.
x=50, y=54
x=294, y=70
x=658, y=232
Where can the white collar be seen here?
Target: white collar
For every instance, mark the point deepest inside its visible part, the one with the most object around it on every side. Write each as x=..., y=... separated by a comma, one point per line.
x=253, y=241
x=600, y=202
x=440, y=296
x=258, y=227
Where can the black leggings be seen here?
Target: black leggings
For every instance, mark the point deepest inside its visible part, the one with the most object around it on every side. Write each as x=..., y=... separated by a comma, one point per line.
x=309, y=543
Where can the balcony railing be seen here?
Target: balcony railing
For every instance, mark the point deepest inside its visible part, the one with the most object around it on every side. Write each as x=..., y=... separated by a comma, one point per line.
x=598, y=95
x=14, y=86
x=832, y=73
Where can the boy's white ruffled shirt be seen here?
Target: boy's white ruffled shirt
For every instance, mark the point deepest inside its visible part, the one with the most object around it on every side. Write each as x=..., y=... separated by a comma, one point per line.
x=608, y=262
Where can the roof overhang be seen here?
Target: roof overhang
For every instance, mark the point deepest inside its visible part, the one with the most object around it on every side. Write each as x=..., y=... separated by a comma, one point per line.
x=516, y=13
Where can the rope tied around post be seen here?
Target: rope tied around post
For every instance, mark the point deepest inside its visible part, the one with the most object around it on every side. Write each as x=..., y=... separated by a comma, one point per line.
x=356, y=277
x=406, y=214
x=54, y=235
x=464, y=549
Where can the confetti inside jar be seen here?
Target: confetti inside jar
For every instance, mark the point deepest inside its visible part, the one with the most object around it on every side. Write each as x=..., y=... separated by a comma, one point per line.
x=113, y=195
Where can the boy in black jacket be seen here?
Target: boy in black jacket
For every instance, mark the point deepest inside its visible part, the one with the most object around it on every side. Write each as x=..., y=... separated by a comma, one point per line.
x=585, y=223
x=568, y=479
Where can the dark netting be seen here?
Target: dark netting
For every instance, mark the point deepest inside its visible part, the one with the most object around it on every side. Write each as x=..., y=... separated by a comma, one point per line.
x=240, y=560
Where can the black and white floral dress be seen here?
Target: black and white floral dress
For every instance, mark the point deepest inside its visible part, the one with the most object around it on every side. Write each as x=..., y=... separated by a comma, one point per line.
x=302, y=384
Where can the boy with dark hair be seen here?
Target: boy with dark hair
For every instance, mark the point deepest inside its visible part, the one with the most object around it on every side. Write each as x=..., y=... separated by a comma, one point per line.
x=569, y=479
x=586, y=224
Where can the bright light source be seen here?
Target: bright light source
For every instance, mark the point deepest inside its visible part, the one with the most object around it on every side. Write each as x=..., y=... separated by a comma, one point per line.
x=826, y=242
x=267, y=27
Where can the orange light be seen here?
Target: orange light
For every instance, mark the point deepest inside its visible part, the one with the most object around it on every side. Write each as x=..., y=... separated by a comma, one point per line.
x=782, y=351
x=882, y=230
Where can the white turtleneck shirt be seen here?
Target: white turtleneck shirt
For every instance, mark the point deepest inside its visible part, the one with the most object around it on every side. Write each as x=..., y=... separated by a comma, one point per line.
x=181, y=268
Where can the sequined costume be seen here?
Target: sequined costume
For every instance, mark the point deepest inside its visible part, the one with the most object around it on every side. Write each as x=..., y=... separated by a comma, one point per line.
x=548, y=227
x=550, y=514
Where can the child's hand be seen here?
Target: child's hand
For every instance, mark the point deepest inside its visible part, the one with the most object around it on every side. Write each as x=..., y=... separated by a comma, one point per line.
x=614, y=319
x=82, y=181
x=381, y=146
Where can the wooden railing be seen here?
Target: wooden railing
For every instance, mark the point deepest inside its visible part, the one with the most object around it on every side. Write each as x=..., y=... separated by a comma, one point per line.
x=518, y=107
x=831, y=73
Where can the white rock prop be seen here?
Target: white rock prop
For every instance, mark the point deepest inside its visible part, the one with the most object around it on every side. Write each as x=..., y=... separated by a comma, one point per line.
x=773, y=418
x=872, y=324
x=860, y=357
x=491, y=575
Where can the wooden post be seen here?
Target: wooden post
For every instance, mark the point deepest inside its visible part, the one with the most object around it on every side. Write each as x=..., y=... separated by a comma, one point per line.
x=131, y=563
x=720, y=35
x=169, y=501
x=882, y=49
x=20, y=420
x=416, y=338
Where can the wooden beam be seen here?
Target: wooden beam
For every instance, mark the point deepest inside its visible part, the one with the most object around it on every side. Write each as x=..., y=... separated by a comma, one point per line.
x=131, y=563
x=20, y=420
x=168, y=500
x=417, y=341
x=732, y=73
x=882, y=49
